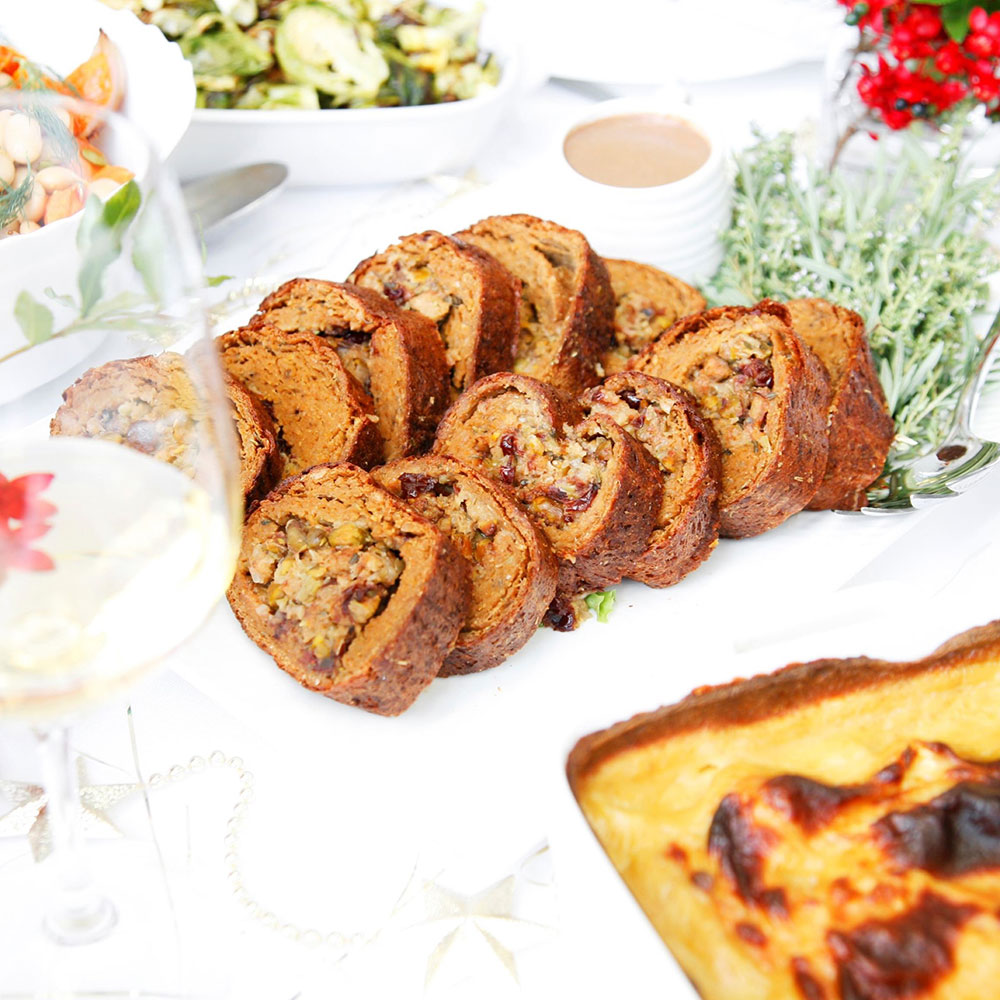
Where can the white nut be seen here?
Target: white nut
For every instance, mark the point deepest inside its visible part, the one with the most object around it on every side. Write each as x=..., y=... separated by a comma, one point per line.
x=64, y=116
x=23, y=139
x=7, y=170
x=20, y=172
x=56, y=178
x=34, y=209
x=11, y=229
x=28, y=227
x=104, y=187
x=5, y=114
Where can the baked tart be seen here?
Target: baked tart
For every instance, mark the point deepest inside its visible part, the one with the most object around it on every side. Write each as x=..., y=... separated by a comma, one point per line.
x=593, y=491
x=859, y=427
x=395, y=355
x=767, y=396
x=827, y=832
x=513, y=570
x=352, y=593
x=472, y=299
x=567, y=306
x=320, y=413
x=647, y=302
x=667, y=422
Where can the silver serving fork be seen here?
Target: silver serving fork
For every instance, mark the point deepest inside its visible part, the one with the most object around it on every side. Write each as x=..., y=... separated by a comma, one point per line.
x=957, y=462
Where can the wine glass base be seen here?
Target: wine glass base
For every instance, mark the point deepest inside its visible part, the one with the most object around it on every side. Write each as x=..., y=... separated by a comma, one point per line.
x=81, y=925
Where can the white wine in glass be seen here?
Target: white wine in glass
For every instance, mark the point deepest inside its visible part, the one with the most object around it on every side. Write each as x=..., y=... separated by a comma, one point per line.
x=119, y=472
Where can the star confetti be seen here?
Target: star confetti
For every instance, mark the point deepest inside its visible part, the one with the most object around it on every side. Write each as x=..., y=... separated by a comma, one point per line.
x=29, y=815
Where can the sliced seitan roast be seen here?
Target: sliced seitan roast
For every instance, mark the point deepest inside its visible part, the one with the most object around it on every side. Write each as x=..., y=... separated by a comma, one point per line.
x=647, y=302
x=396, y=355
x=153, y=405
x=513, y=568
x=350, y=591
x=585, y=482
x=767, y=396
x=472, y=298
x=320, y=413
x=860, y=429
x=567, y=306
x=666, y=420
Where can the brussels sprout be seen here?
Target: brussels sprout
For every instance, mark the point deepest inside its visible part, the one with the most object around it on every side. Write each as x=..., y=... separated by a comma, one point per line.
x=318, y=46
x=172, y=21
x=215, y=46
x=269, y=96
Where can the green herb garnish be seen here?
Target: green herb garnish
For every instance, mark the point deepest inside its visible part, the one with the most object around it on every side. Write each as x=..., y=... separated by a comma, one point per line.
x=903, y=246
x=600, y=603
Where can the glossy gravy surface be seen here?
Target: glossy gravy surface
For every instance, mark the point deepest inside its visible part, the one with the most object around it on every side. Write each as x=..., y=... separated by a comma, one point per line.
x=637, y=150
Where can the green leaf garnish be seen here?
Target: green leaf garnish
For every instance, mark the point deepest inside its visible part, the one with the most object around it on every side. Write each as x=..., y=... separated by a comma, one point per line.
x=600, y=603
x=35, y=320
x=99, y=238
x=217, y=279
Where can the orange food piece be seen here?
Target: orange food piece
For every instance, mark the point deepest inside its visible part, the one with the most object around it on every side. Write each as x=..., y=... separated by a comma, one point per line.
x=118, y=174
x=99, y=80
x=63, y=203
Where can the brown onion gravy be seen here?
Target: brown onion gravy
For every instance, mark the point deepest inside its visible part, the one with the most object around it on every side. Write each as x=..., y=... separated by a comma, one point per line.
x=636, y=150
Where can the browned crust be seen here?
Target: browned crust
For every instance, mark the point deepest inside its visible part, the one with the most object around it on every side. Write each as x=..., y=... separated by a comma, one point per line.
x=765, y=696
x=860, y=429
x=409, y=373
x=673, y=552
x=525, y=598
x=623, y=513
x=350, y=407
x=495, y=335
x=680, y=298
x=260, y=460
x=587, y=329
x=419, y=624
x=790, y=479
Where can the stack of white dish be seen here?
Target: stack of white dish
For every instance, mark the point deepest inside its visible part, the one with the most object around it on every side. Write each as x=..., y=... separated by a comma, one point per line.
x=675, y=226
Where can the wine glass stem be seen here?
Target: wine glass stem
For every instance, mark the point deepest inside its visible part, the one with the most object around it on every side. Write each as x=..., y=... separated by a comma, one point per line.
x=77, y=913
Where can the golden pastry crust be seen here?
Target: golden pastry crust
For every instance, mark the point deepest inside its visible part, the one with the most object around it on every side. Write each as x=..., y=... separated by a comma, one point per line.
x=860, y=429
x=666, y=421
x=395, y=354
x=766, y=394
x=567, y=305
x=352, y=593
x=647, y=302
x=829, y=830
x=513, y=570
x=320, y=413
x=472, y=299
x=591, y=489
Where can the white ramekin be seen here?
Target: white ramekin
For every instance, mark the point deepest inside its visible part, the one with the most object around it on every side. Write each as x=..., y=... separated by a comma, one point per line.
x=674, y=226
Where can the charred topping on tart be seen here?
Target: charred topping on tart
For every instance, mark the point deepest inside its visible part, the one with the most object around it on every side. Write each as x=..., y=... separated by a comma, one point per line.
x=740, y=845
x=807, y=803
x=955, y=833
x=903, y=956
x=323, y=580
x=805, y=982
x=751, y=933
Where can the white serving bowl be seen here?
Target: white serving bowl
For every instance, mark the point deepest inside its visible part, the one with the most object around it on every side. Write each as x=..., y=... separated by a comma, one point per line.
x=345, y=146
x=60, y=34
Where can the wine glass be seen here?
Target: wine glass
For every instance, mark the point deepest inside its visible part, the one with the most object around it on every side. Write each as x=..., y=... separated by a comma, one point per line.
x=120, y=503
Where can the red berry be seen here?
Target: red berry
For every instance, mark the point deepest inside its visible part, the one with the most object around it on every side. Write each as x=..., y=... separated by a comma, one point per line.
x=978, y=19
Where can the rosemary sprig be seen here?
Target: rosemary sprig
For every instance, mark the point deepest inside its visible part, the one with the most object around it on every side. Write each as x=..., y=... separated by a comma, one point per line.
x=905, y=248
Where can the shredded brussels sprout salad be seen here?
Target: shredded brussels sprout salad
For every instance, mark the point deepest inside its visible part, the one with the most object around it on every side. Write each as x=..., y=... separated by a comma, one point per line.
x=314, y=54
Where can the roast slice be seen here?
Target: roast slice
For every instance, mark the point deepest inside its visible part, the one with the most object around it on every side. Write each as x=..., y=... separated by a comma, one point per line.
x=647, y=302
x=860, y=429
x=766, y=395
x=513, y=569
x=395, y=355
x=666, y=420
x=352, y=593
x=585, y=482
x=567, y=306
x=472, y=299
x=320, y=413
